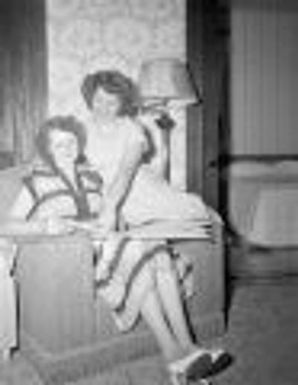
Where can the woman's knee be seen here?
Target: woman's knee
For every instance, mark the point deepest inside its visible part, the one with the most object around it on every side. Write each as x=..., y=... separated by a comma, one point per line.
x=163, y=262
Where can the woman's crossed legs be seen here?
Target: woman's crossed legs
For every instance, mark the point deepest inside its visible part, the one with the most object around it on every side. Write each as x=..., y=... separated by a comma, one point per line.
x=163, y=310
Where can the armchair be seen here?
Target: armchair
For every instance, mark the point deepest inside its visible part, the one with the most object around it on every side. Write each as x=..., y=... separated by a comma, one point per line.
x=67, y=331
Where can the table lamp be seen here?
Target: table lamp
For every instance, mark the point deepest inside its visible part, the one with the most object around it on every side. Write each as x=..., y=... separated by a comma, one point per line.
x=165, y=84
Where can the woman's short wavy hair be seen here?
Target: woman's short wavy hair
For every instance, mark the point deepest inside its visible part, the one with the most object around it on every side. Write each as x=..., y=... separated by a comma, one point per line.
x=68, y=124
x=112, y=82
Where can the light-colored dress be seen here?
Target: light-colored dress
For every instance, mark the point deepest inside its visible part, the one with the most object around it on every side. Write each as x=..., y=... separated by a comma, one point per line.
x=150, y=197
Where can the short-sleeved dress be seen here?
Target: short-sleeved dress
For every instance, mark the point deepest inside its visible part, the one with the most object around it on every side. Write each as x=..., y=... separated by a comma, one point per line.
x=150, y=198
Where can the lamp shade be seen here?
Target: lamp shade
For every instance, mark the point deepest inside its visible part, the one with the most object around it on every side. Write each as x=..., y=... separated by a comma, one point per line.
x=166, y=80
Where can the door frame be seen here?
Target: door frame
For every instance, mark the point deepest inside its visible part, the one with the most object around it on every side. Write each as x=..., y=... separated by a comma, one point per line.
x=207, y=36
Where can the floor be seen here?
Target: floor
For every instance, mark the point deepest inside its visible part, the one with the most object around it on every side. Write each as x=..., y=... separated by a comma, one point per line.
x=262, y=336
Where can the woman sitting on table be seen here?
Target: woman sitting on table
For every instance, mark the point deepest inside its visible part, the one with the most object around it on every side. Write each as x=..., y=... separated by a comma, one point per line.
x=135, y=277
x=127, y=149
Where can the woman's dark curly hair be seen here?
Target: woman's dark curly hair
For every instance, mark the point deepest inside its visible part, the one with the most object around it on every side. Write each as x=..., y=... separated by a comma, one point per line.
x=112, y=82
x=67, y=124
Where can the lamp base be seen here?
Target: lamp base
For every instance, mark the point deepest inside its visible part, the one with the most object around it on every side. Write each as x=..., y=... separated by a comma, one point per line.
x=166, y=124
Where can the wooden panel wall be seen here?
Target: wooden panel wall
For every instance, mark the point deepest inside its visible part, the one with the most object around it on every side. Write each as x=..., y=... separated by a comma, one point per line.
x=23, y=74
x=264, y=108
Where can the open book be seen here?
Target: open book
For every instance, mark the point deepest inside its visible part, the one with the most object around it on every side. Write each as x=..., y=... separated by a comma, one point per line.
x=194, y=229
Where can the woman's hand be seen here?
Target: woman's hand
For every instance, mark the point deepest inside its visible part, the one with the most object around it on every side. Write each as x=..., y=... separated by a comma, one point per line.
x=149, y=117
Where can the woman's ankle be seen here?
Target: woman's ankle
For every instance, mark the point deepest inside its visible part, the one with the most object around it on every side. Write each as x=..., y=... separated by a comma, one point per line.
x=181, y=351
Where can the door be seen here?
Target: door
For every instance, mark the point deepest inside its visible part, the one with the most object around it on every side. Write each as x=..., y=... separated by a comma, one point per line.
x=208, y=128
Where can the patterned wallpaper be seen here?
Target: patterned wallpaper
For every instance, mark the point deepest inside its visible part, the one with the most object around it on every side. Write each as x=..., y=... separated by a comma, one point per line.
x=85, y=35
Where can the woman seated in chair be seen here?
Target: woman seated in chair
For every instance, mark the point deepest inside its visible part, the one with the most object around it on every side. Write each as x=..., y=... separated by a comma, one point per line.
x=137, y=278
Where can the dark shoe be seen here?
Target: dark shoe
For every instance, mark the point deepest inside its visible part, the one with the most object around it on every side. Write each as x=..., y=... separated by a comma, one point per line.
x=199, y=361
x=220, y=360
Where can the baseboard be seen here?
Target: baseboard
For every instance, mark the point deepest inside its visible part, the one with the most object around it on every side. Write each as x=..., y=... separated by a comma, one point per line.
x=90, y=360
x=261, y=262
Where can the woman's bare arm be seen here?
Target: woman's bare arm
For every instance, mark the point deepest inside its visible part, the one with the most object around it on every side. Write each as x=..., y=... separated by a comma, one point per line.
x=120, y=186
